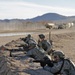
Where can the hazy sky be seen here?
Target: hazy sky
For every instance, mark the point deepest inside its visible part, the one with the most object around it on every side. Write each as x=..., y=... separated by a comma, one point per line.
x=23, y=9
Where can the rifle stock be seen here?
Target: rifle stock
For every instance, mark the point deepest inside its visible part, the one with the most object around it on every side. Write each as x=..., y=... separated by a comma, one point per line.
x=44, y=62
x=38, y=61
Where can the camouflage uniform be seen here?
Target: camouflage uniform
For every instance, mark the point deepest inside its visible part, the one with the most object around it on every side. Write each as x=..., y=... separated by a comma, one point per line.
x=36, y=52
x=44, y=43
x=66, y=69
x=29, y=40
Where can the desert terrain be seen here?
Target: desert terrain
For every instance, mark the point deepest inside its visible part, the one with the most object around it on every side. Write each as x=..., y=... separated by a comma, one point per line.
x=63, y=39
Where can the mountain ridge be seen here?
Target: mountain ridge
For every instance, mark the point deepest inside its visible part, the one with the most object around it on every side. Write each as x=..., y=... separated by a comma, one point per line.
x=44, y=17
x=48, y=17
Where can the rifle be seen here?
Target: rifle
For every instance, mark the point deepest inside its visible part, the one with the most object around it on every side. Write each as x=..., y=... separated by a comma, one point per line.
x=42, y=62
x=45, y=62
x=22, y=45
x=24, y=39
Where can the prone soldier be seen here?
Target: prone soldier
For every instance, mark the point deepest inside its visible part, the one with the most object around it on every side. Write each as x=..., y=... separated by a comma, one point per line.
x=58, y=65
x=28, y=40
x=36, y=52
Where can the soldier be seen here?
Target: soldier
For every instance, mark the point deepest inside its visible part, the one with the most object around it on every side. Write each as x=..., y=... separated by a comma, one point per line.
x=29, y=39
x=44, y=43
x=35, y=52
x=61, y=66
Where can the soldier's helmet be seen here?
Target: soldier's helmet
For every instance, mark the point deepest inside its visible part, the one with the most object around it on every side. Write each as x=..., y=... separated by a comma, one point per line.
x=29, y=35
x=41, y=36
x=58, y=53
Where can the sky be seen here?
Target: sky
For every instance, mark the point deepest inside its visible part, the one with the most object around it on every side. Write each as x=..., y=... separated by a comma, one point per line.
x=25, y=9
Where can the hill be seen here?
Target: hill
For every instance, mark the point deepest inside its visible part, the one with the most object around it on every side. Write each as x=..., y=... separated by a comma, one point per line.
x=48, y=17
x=44, y=17
x=34, y=23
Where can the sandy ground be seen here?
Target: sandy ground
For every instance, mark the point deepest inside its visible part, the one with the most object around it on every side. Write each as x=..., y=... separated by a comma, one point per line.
x=63, y=39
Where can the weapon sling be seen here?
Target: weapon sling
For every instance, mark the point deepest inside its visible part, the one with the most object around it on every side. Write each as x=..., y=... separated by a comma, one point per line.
x=60, y=69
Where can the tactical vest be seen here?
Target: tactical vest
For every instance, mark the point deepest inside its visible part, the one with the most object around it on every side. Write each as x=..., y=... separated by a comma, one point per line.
x=44, y=46
x=70, y=71
x=58, y=73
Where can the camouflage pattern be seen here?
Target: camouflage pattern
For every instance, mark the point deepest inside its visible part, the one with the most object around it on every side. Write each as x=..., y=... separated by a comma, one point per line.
x=62, y=66
x=29, y=40
x=45, y=45
x=59, y=53
x=37, y=53
x=67, y=69
x=30, y=43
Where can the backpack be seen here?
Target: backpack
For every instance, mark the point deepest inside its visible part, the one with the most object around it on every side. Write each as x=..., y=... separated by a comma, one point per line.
x=71, y=71
x=72, y=68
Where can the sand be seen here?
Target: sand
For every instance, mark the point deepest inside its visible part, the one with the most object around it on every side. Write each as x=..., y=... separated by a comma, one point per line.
x=63, y=39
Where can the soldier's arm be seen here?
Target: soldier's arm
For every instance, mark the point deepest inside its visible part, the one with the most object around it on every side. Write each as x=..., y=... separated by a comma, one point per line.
x=56, y=67
x=42, y=62
x=48, y=46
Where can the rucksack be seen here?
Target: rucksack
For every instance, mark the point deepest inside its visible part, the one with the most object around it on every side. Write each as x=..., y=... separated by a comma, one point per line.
x=72, y=68
x=71, y=71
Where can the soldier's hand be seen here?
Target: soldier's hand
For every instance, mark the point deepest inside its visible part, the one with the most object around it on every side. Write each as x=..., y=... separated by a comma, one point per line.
x=48, y=62
x=38, y=41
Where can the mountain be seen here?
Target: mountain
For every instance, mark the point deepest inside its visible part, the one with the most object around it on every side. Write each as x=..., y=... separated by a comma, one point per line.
x=48, y=17
x=54, y=17
x=34, y=23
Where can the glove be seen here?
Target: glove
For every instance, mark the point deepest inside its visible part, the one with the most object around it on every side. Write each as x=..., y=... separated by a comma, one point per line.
x=48, y=62
x=43, y=64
